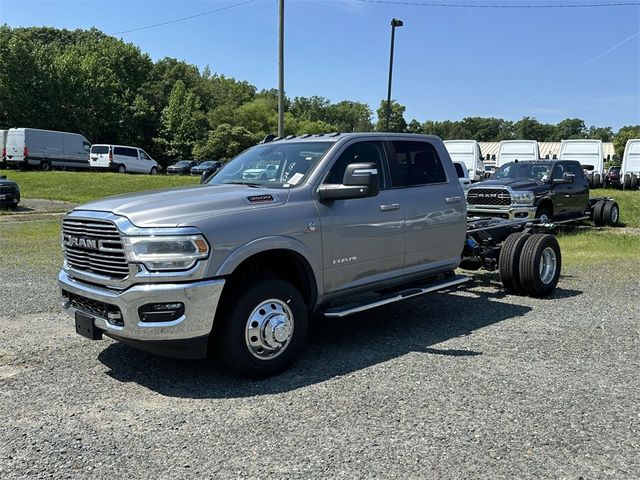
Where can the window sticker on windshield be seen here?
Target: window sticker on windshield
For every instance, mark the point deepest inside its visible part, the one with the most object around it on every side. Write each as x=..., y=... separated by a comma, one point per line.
x=296, y=178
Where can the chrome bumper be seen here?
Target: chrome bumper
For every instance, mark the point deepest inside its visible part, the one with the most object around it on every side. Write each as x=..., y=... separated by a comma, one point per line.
x=200, y=301
x=511, y=212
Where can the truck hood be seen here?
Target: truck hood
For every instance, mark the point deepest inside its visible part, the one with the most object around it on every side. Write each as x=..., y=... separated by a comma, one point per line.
x=184, y=205
x=514, y=183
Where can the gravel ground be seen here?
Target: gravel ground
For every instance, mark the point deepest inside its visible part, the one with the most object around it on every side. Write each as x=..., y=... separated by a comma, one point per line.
x=470, y=384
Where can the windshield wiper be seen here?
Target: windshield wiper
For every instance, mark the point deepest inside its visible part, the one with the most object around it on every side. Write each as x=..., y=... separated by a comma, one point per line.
x=243, y=182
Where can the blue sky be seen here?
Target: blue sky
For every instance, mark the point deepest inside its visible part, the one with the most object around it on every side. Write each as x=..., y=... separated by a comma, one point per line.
x=449, y=62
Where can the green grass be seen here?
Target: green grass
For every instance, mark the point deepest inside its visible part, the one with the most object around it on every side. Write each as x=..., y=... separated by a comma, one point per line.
x=599, y=247
x=81, y=187
x=31, y=244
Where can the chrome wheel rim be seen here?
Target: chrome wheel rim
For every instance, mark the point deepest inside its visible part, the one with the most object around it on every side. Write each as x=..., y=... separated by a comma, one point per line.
x=614, y=215
x=269, y=329
x=548, y=265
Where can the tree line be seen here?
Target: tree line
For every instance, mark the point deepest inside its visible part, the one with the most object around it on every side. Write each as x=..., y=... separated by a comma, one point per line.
x=110, y=91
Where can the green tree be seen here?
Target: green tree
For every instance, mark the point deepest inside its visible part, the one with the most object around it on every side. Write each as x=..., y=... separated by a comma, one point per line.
x=602, y=133
x=183, y=124
x=531, y=129
x=224, y=142
x=625, y=133
x=570, y=128
x=397, y=123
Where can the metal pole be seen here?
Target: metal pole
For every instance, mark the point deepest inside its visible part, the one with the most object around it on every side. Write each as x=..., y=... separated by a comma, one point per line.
x=281, y=69
x=393, y=31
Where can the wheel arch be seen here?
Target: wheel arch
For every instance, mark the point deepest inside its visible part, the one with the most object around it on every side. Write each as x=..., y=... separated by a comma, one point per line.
x=545, y=203
x=285, y=257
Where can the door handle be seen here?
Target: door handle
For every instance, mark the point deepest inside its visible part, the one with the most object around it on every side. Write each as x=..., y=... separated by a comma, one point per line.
x=388, y=208
x=452, y=199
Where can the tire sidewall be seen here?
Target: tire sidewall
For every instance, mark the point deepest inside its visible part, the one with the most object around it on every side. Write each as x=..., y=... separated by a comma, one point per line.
x=230, y=325
x=530, y=261
x=122, y=169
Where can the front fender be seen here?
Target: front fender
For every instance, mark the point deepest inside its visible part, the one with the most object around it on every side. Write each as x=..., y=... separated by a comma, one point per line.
x=264, y=244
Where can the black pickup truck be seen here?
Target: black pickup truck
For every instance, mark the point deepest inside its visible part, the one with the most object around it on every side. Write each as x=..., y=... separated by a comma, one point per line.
x=554, y=189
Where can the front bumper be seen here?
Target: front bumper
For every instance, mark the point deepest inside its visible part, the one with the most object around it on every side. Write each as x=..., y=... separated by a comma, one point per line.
x=511, y=212
x=200, y=301
x=9, y=199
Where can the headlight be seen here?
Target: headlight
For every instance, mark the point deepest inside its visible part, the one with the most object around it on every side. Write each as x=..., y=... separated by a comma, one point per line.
x=523, y=198
x=178, y=252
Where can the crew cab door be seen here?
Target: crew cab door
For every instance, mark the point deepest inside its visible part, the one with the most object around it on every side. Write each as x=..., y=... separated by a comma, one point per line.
x=362, y=238
x=580, y=192
x=570, y=199
x=433, y=202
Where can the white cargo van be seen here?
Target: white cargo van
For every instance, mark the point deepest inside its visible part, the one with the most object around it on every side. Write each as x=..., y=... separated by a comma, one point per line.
x=3, y=148
x=630, y=170
x=590, y=154
x=46, y=149
x=122, y=158
x=468, y=152
x=511, y=150
x=463, y=176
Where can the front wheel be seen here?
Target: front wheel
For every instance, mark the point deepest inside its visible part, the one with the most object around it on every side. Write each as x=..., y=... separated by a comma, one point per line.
x=540, y=265
x=154, y=171
x=261, y=329
x=543, y=214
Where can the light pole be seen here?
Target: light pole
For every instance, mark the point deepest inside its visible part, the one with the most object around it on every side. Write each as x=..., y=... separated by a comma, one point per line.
x=281, y=69
x=394, y=23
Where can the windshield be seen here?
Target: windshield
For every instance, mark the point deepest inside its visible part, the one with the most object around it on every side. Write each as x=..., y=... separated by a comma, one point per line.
x=206, y=164
x=275, y=165
x=183, y=163
x=530, y=171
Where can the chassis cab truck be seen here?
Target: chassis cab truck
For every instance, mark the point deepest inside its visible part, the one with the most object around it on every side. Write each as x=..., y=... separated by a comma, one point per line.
x=235, y=267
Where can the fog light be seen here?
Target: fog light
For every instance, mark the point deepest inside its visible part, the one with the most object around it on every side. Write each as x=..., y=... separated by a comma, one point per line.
x=161, y=312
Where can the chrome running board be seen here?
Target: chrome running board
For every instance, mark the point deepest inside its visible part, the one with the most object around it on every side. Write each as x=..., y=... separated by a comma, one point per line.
x=343, y=311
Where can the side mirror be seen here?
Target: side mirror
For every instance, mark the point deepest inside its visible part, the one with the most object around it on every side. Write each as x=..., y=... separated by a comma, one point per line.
x=566, y=178
x=360, y=180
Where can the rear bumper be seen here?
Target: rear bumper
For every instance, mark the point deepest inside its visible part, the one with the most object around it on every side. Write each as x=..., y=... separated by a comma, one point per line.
x=511, y=212
x=200, y=301
x=9, y=199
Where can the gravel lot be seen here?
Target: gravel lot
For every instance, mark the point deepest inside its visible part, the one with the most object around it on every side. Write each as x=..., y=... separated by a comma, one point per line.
x=471, y=384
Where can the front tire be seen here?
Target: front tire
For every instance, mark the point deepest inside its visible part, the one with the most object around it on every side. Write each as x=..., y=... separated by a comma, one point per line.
x=154, y=171
x=544, y=213
x=540, y=265
x=262, y=326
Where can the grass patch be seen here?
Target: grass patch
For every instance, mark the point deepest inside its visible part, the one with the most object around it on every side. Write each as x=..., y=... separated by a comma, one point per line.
x=599, y=247
x=629, y=202
x=31, y=244
x=81, y=187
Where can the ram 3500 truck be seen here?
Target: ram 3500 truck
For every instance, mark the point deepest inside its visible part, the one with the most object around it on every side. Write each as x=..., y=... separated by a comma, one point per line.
x=555, y=190
x=236, y=266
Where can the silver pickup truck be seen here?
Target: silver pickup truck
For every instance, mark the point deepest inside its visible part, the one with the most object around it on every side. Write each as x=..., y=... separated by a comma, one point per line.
x=236, y=267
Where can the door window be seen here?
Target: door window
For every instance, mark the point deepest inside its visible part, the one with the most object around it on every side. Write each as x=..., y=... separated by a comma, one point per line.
x=86, y=146
x=360, y=152
x=415, y=163
x=577, y=171
x=143, y=155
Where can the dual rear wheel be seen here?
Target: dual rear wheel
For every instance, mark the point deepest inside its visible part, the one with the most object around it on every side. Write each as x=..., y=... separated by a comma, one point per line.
x=530, y=264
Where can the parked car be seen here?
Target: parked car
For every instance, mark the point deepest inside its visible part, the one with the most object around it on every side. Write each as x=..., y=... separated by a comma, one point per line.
x=236, y=268
x=463, y=175
x=521, y=150
x=612, y=177
x=630, y=171
x=266, y=172
x=468, y=152
x=183, y=167
x=122, y=158
x=590, y=154
x=46, y=149
x=208, y=167
x=9, y=193
x=3, y=148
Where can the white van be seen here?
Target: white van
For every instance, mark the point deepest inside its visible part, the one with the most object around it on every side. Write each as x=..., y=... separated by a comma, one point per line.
x=630, y=170
x=46, y=148
x=122, y=158
x=3, y=148
x=511, y=150
x=463, y=176
x=590, y=154
x=468, y=152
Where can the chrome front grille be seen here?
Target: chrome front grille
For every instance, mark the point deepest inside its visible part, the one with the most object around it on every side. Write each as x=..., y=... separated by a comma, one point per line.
x=94, y=246
x=488, y=197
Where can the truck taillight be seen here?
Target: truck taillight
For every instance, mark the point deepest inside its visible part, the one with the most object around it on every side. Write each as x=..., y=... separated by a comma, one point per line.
x=110, y=156
x=4, y=152
x=25, y=152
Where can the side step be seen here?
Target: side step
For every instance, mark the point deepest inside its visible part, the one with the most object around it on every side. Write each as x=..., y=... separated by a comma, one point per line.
x=343, y=311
